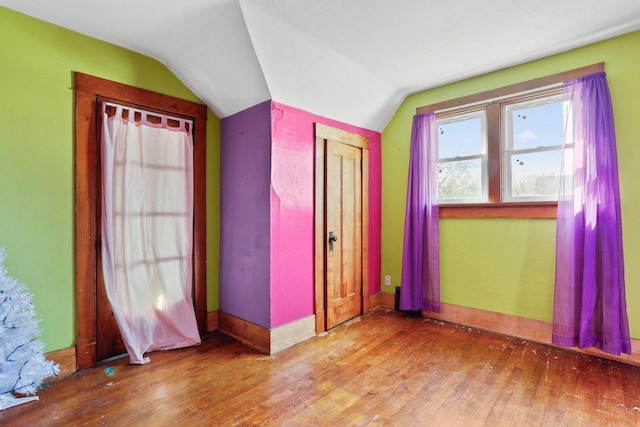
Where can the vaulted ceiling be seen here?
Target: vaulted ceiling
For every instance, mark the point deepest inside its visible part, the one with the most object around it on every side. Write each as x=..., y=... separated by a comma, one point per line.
x=350, y=60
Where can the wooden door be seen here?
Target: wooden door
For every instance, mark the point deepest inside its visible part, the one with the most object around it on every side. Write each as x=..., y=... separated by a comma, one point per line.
x=343, y=232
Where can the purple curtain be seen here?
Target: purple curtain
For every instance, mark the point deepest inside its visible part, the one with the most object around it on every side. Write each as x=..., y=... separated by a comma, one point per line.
x=590, y=305
x=420, y=285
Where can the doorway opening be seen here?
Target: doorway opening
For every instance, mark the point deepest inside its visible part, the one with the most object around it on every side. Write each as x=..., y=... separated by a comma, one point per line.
x=89, y=93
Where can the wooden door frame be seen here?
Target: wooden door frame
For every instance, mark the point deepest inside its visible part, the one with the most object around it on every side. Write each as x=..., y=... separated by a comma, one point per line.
x=324, y=133
x=87, y=148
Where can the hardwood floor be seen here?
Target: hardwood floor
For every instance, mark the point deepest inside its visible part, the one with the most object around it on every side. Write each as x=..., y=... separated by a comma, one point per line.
x=381, y=369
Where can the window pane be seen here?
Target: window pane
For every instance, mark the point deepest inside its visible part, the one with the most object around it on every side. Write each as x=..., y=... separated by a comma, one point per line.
x=536, y=123
x=461, y=136
x=460, y=180
x=536, y=174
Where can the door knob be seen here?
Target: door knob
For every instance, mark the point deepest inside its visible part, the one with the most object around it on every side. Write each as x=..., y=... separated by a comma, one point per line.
x=332, y=238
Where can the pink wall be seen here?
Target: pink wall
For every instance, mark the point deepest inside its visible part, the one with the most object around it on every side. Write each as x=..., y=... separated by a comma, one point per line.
x=292, y=210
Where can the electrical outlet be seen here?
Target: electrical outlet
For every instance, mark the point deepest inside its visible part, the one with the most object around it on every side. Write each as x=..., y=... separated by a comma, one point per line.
x=387, y=280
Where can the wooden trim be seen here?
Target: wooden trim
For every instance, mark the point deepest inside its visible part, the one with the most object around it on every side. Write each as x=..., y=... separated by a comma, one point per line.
x=66, y=358
x=388, y=300
x=334, y=134
x=492, y=101
x=213, y=322
x=494, y=156
x=324, y=133
x=365, y=231
x=545, y=210
x=520, y=327
x=321, y=319
x=200, y=218
x=253, y=335
x=87, y=90
x=513, y=89
x=319, y=241
x=530, y=329
x=291, y=334
x=375, y=301
x=85, y=228
x=141, y=97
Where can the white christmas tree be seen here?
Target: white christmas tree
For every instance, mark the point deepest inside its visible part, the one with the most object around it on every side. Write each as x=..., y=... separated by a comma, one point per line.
x=22, y=362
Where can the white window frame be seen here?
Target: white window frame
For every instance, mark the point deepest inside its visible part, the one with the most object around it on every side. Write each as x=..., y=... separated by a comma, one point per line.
x=508, y=150
x=483, y=155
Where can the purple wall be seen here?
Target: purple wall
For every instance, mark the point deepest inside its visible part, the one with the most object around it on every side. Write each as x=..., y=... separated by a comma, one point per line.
x=245, y=172
x=292, y=211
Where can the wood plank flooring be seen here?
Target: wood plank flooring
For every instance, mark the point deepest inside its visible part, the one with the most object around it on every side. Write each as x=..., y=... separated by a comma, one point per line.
x=381, y=369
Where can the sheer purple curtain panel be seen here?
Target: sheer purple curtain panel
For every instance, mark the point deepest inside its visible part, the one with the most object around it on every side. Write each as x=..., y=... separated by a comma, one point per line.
x=589, y=303
x=420, y=284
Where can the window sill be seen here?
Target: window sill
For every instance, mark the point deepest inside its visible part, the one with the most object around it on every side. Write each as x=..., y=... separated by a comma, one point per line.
x=500, y=210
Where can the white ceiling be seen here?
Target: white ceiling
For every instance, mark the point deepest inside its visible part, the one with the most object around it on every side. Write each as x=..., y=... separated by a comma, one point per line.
x=350, y=60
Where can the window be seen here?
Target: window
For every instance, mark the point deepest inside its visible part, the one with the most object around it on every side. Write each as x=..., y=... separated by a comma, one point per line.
x=528, y=134
x=532, y=147
x=462, y=158
x=499, y=152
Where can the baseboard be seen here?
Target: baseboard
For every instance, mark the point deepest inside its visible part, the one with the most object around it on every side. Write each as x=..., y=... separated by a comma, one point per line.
x=388, y=300
x=213, y=321
x=265, y=340
x=249, y=333
x=66, y=358
x=520, y=327
x=292, y=333
x=375, y=301
x=262, y=339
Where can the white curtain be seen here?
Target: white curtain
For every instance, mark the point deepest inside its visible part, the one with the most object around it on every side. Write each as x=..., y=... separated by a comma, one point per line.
x=147, y=229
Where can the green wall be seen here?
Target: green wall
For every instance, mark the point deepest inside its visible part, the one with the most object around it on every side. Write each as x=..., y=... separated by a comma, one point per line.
x=36, y=157
x=507, y=265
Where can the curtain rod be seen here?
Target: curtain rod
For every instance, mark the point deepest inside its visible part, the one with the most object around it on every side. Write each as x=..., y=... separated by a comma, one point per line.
x=137, y=110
